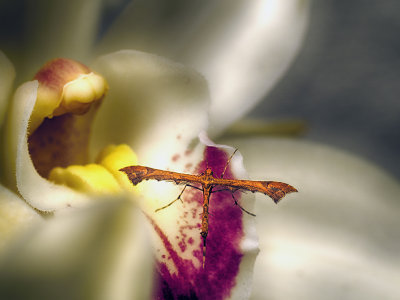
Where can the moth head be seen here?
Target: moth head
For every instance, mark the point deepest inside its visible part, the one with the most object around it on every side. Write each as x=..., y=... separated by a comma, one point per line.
x=208, y=172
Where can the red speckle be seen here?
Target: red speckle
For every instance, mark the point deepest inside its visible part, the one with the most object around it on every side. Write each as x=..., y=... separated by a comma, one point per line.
x=188, y=152
x=175, y=157
x=190, y=241
x=188, y=166
x=182, y=245
x=178, y=137
x=57, y=72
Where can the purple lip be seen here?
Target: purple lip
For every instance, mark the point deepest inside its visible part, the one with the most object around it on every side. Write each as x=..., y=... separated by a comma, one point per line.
x=223, y=255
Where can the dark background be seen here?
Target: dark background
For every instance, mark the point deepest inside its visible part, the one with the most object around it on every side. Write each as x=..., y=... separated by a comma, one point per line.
x=345, y=83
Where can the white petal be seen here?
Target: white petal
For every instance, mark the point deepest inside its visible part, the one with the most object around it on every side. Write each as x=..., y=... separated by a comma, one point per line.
x=15, y=217
x=100, y=252
x=156, y=106
x=242, y=48
x=7, y=75
x=20, y=174
x=338, y=238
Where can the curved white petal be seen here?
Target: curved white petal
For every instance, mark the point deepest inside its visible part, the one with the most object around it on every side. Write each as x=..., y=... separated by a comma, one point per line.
x=156, y=106
x=7, y=75
x=15, y=217
x=58, y=29
x=241, y=47
x=20, y=174
x=99, y=252
x=338, y=238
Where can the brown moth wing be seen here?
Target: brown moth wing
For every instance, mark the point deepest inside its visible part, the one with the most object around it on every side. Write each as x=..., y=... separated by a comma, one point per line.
x=137, y=174
x=274, y=189
x=277, y=190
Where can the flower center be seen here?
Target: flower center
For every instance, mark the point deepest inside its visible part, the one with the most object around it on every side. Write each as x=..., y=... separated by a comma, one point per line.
x=102, y=177
x=68, y=98
x=61, y=141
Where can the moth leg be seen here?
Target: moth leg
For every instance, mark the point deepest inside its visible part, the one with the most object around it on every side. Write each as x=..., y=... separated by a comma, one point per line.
x=221, y=190
x=237, y=203
x=172, y=202
x=195, y=187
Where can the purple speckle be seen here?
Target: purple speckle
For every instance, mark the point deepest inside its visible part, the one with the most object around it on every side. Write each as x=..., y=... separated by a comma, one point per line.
x=182, y=245
x=175, y=157
x=223, y=254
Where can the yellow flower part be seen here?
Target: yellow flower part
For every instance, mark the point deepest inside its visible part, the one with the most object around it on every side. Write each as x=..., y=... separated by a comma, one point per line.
x=86, y=89
x=91, y=179
x=101, y=178
x=114, y=158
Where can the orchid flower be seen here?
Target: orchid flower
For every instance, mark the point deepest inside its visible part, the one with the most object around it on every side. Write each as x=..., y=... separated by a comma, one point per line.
x=155, y=108
x=45, y=161
x=96, y=243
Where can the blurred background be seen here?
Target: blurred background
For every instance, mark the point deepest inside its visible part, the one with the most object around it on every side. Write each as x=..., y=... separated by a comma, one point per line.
x=345, y=82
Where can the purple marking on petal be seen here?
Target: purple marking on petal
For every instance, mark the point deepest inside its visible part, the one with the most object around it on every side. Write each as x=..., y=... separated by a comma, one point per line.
x=175, y=157
x=223, y=255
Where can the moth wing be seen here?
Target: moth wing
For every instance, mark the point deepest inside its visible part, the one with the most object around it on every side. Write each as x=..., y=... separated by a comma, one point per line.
x=137, y=174
x=274, y=189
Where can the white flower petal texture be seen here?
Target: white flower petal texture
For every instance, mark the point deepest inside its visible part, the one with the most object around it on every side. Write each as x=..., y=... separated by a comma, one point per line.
x=19, y=169
x=337, y=238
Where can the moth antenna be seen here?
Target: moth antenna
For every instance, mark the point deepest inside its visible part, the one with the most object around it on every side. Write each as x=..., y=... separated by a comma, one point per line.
x=227, y=163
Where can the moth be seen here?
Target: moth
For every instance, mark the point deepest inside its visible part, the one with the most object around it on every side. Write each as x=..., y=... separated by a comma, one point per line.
x=207, y=183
